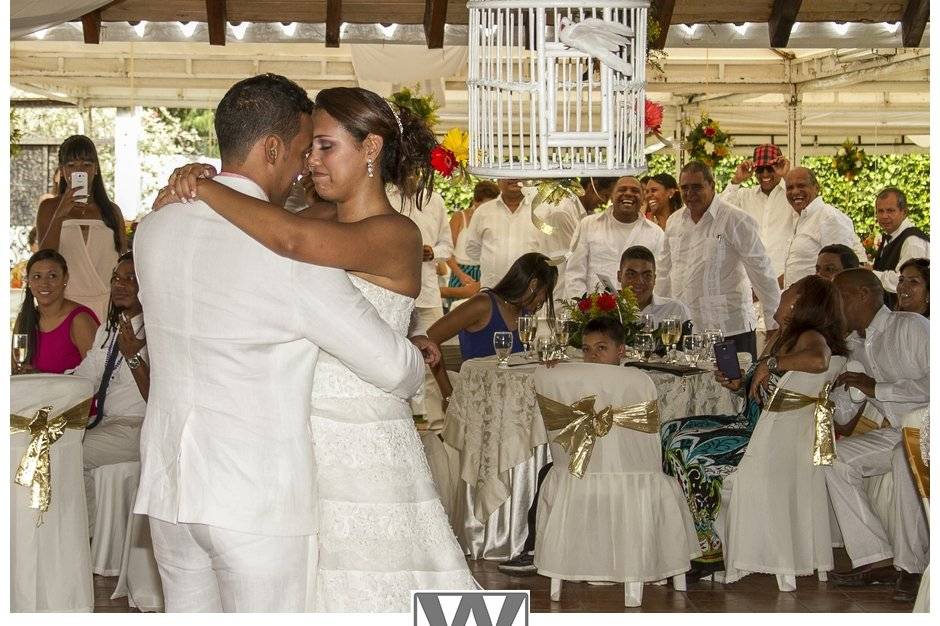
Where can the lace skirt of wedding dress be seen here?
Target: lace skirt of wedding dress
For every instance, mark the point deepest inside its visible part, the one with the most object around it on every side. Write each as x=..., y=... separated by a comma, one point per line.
x=383, y=529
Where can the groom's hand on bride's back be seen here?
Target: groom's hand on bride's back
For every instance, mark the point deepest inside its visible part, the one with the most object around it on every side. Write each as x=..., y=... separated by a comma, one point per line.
x=429, y=350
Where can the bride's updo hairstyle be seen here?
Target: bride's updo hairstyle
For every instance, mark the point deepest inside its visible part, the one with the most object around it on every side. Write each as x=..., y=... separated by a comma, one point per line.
x=405, y=157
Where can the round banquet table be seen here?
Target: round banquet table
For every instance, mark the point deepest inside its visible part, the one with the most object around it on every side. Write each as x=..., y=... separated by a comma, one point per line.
x=494, y=423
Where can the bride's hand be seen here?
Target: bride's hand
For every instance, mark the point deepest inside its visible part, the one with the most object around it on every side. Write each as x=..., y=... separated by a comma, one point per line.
x=164, y=197
x=183, y=180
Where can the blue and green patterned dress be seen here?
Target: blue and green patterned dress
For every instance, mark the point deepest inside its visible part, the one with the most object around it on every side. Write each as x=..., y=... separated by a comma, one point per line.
x=700, y=451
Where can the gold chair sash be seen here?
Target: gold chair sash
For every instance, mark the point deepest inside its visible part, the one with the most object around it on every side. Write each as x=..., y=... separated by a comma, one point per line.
x=824, y=440
x=35, y=470
x=581, y=425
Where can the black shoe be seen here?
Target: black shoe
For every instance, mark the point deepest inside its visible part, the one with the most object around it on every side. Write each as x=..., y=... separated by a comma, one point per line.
x=865, y=575
x=522, y=565
x=704, y=570
x=905, y=589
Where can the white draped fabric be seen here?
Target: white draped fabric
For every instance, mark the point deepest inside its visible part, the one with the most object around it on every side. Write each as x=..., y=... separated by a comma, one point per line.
x=139, y=579
x=50, y=565
x=625, y=520
x=28, y=16
x=115, y=489
x=774, y=515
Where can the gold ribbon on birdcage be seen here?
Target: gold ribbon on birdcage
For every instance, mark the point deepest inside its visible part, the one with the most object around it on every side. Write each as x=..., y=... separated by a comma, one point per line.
x=35, y=470
x=552, y=192
x=581, y=425
x=824, y=441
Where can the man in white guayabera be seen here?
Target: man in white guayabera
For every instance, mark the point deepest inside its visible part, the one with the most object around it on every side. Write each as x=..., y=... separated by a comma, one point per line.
x=234, y=333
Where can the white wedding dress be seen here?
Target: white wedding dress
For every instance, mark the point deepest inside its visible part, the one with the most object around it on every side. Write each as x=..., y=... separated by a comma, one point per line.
x=383, y=530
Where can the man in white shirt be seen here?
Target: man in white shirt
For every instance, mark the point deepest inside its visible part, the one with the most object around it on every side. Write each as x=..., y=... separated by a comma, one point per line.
x=437, y=245
x=766, y=202
x=893, y=352
x=900, y=240
x=817, y=224
x=712, y=250
x=638, y=271
x=117, y=365
x=600, y=239
x=834, y=258
x=502, y=230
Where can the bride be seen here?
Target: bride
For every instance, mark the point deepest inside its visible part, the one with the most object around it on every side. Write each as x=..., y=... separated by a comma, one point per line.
x=382, y=529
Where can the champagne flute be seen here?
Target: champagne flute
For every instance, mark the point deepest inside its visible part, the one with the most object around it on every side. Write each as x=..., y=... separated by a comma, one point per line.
x=692, y=344
x=644, y=345
x=20, y=347
x=502, y=345
x=528, y=328
x=712, y=336
x=672, y=330
x=562, y=335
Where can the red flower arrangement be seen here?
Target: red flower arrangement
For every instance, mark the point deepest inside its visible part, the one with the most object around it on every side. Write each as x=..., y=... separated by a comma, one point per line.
x=654, y=117
x=606, y=302
x=443, y=160
x=618, y=304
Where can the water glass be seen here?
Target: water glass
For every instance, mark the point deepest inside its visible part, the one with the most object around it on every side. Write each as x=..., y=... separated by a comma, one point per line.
x=693, y=346
x=712, y=336
x=502, y=345
x=646, y=323
x=645, y=345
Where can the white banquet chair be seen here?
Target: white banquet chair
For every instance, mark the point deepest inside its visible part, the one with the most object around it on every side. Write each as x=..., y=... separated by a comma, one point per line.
x=50, y=564
x=624, y=520
x=774, y=514
x=115, y=490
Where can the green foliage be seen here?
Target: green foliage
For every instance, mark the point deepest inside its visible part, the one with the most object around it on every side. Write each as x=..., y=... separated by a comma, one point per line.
x=457, y=193
x=202, y=123
x=856, y=198
x=423, y=106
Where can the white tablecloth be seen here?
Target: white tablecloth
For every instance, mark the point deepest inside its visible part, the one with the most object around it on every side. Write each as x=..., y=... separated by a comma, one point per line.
x=50, y=565
x=494, y=422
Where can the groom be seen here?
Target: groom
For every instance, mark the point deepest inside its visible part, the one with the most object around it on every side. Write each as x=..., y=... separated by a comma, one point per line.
x=234, y=331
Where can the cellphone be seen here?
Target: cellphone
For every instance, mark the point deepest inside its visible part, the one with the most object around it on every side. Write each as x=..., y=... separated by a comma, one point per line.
x=80, y=185
x=726, y=357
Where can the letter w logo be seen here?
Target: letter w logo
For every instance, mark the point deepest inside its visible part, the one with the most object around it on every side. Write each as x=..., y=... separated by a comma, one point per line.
x=428, y=606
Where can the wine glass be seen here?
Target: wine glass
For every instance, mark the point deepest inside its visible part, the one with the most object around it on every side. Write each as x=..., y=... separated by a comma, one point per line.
x=692, y=344
x=20, y=347
x=644, y=345
x=672, y=330
x=528, y=328
x=502, y=345
x=646, y=323
x=544, y=348
x=712, y=336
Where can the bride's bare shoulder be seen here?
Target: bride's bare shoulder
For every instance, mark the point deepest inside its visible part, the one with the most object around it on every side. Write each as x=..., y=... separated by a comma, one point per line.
x=395, y=228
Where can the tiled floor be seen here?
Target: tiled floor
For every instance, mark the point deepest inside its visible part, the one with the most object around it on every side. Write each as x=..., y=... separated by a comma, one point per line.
x=755, y=593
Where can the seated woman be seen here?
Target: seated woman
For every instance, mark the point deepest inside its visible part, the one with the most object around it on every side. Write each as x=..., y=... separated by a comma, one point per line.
x=117, y=365
x=701, y=450
x=529, y=283
x=59, y=331
x=914, y=287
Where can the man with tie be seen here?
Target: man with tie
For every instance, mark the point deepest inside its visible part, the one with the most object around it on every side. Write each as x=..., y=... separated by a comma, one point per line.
x=900, y=240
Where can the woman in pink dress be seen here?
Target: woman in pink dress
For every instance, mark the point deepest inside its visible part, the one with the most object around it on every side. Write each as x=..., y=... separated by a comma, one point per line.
x=59, y=331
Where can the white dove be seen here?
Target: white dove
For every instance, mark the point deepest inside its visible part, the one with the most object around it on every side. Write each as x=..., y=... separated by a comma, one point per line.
x=602, y=40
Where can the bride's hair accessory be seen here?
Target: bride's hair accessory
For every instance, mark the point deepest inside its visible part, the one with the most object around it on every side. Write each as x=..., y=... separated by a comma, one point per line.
x=401, y=131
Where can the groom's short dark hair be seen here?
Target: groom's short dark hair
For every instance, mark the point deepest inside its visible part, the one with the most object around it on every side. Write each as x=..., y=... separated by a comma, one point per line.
x=267, y=104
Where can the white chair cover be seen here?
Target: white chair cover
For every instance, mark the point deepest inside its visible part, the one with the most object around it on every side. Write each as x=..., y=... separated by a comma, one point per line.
x=140, y=578
x=50, y=565
x=115, y=490
x=774, y=515
x=625, y=520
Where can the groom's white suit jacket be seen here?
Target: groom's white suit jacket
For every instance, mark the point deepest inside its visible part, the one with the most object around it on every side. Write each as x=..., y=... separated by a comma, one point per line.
x=233, y=332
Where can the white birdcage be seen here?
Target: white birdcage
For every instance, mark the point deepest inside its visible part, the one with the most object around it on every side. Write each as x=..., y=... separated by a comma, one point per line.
x=557, y=88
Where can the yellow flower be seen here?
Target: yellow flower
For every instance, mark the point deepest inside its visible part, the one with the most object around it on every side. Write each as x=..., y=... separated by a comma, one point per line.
x=458, y=142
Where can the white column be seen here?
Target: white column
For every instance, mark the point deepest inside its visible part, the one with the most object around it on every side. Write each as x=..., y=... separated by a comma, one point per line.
x=795, y=128
x=127, y=161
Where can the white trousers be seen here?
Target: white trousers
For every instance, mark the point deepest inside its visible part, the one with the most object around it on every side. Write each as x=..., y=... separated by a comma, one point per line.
x=114, y=440
x=206, y=569
x=428, y=400
x=872, y=454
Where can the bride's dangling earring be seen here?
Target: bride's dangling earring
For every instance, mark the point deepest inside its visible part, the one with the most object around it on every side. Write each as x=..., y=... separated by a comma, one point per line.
x=369, y=170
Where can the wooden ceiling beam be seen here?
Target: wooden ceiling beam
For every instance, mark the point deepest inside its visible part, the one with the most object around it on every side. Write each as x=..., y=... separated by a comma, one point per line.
x=215, y=20
x=334, y=13
x=914, y=21
x=663, y=10
x=435, y=16
x=91, y=26
x=782, y=16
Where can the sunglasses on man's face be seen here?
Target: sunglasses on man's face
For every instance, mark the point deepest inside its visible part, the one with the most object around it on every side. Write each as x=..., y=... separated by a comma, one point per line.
x=764, y=168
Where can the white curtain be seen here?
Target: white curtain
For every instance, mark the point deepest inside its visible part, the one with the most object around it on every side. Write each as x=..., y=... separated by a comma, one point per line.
x=28, y=16
x=385, y=67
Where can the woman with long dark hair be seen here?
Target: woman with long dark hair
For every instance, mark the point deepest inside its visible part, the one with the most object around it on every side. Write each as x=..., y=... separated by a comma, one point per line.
x=527, y=285
x=59, y=331
x=87, y=230
x=383, y=530
x=662, y=198
x=701, y=450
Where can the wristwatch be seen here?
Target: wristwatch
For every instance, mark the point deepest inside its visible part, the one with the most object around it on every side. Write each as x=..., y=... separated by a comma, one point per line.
x=135, y=361
x=772, y=365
